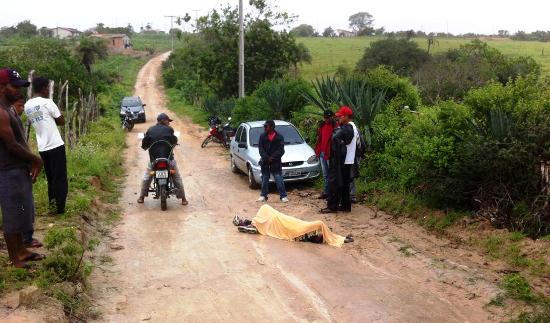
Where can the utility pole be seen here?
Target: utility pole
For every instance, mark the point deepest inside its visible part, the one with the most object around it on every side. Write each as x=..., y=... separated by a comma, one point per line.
x=241, y=50
x=171, y=28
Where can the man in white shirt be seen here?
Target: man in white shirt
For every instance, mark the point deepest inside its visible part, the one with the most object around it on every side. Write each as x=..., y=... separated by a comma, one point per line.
x=352, y=160
x=45, y=117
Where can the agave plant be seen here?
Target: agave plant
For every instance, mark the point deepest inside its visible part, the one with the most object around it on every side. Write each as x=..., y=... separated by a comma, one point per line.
x=365, y=102
x=276, y=97
x=325, y=94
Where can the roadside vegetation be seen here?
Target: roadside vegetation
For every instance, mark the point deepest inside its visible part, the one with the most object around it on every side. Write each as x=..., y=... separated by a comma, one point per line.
x=94, y=169
x=457, y=132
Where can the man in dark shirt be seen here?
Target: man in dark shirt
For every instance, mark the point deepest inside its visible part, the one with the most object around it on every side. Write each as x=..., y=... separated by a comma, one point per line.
x=322, y=148
x=19, y=168
x=161, y=132
x=339, y=171
x=272, y=149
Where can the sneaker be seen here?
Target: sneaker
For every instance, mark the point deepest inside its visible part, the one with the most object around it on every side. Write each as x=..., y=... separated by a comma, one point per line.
x=248, y=229
x=237, y=220
x=285, y=200
x=261, y=199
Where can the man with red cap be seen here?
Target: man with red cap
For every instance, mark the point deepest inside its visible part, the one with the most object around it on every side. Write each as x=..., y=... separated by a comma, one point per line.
x=339, y=168
x=19, y=168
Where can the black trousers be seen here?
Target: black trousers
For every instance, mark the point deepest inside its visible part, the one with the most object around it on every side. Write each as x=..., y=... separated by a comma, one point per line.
x=55, y=167
x=338, y=196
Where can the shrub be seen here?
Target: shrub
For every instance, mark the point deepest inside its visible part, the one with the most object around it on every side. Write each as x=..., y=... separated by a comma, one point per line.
x=402, y=55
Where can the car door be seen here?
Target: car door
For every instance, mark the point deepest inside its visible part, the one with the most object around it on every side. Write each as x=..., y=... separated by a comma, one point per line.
x=235, y=151
x=242, y=148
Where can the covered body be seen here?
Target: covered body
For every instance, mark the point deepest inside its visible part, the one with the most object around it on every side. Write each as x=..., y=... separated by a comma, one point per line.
x=273, y=223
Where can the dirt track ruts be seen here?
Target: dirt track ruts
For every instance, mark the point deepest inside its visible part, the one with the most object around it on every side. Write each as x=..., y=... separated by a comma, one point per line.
x=189, y=264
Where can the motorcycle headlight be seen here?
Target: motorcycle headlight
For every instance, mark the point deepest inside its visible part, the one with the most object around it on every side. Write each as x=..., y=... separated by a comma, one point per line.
x=313, y=160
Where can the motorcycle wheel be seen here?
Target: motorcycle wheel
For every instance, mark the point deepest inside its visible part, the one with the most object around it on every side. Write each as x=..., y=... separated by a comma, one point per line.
x=163, y=197
x=206, y=141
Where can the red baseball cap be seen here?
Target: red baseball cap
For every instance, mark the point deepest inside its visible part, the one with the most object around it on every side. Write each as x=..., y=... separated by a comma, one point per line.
x=9, y=76
x=344, y=111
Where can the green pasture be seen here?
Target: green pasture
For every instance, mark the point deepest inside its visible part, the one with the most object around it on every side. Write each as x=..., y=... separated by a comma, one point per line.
x=330, y=53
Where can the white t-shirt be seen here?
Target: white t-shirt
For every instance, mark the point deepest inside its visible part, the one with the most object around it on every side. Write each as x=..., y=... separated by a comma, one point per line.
x=41, y=113
x=350, y=155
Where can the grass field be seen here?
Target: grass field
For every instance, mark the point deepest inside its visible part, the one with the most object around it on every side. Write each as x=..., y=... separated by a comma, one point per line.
x=330, y=53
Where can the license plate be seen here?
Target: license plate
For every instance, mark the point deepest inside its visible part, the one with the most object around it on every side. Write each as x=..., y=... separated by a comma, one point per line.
x=293, y=173
x=161, y=174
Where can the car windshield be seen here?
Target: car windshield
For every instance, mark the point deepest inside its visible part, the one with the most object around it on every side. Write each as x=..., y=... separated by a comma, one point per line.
x=291, y=135
x=131, y=102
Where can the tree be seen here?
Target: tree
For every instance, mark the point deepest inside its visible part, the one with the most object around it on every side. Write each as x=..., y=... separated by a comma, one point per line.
x=503, y=33
x=90, y=50
x=360, y=21
x=403, y=55
x=303, y=31
x=300, y=55
x=208, y=63
x=329, y=32
x=26, y=29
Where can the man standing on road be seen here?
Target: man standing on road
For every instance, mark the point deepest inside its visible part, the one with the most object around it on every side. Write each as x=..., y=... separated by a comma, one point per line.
x=45, y=117
x=158, y=132
x=272, y=149
x=19, y=168
x=341, y=152
x=322, y=148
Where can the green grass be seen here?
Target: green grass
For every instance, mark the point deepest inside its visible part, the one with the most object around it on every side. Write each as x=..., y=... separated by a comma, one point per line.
x=161, y=43
x=330, y=53
x=96, y=155
x=178, y=104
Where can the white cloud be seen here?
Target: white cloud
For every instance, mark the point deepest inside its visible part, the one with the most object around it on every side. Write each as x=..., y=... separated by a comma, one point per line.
x=429, y=15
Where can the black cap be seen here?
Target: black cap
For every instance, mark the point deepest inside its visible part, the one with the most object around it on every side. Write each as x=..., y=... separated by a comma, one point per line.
x=10, y=76
x=328, y=113
x=163, y=116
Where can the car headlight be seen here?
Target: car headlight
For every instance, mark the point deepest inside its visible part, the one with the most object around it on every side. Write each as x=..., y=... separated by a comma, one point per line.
x=313, y=160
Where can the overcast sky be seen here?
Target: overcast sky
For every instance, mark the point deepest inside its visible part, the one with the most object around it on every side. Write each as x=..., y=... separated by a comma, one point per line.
x=457, y=16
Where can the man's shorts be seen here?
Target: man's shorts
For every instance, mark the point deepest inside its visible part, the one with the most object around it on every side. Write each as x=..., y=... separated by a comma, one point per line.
x=16, y=200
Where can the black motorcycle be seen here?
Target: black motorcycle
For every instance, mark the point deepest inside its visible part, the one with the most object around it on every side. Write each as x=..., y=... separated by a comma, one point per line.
x=163, y=182
x=128, y=120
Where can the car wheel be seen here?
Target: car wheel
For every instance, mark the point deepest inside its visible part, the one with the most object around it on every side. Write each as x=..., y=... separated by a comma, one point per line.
x=251, y=180
x=144, y=119
x=234, y=167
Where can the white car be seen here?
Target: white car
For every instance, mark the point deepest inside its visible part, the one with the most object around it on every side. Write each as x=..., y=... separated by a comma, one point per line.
x=299, y=161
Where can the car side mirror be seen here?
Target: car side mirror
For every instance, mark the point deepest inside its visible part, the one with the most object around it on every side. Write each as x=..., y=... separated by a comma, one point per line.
x=144, y=105
x=243, y=145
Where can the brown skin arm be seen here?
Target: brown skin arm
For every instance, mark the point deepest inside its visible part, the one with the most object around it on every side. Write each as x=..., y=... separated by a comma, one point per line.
x=15, y=148
x=60, y=121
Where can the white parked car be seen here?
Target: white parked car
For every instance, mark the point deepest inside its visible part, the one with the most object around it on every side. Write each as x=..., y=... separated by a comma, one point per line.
x=299, y=161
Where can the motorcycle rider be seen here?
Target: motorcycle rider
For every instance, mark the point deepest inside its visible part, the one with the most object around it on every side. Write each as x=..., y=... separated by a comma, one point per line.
x=158, y=132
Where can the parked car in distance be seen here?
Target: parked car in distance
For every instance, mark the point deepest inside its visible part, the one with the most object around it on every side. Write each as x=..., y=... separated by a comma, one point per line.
x=299, y=161
x=134, y=105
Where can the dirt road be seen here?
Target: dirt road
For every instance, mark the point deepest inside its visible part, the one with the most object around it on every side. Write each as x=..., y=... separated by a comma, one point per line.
x=190, y=264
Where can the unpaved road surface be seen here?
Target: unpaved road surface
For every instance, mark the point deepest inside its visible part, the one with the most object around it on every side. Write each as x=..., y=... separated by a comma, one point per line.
x=189, y=264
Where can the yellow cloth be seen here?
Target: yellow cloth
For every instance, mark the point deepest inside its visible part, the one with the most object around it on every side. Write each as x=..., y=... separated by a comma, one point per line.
x=275, y=224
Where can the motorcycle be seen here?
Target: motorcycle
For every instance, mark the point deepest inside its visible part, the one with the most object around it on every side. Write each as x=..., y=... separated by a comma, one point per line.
x=218, y=133
x=162, y=184
x=128, y=120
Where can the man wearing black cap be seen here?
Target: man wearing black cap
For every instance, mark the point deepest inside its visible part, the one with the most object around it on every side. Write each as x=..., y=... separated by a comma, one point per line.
x=161, y=132
x=19, y=168
x=322, y=148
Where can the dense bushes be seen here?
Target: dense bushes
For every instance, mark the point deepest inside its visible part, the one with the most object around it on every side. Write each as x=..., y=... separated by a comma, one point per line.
x=452, y=74
x=402, y=55
x=482, y=155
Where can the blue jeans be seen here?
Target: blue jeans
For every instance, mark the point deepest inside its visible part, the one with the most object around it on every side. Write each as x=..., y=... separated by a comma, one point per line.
x=278, y=176
x=324, y=168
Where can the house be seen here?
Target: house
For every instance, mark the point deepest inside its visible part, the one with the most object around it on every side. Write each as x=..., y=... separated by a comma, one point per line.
x=345, y=33
x=63, y=33
x=116, y=42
